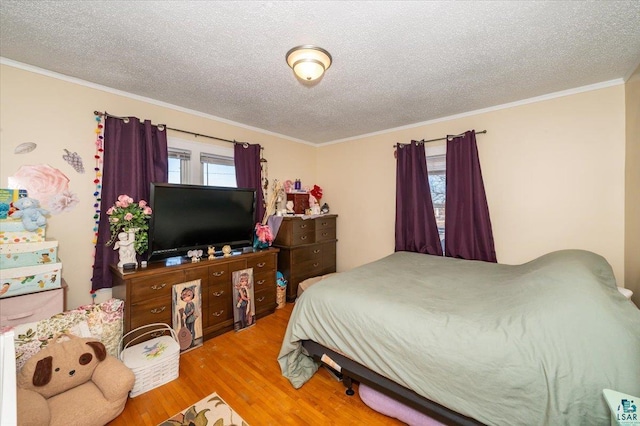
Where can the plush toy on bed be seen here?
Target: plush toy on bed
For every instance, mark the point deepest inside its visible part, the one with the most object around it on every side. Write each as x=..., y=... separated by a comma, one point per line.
x=30, y=212
x=72, y=382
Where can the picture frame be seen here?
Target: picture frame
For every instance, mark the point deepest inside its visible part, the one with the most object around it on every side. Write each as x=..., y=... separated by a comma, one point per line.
x=244, y=310
x=187, y=314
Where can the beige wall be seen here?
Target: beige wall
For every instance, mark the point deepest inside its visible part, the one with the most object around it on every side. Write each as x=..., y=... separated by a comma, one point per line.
x=553, y=170
x=553, y=173
x=58, y=115
x=632, y=186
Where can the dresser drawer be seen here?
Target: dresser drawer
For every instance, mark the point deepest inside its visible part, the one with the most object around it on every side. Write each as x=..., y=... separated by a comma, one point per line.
x=264, y=280
x=323, y=223
x=263, y=263
x=325, y=234
x=154, y=286
x=220, y=313
x=265, y=299
x=308, y=269
x=150, y=311
x=307, y=237
x=219, y=292
x=201, y=274
x=304, y=254
x=219, y=273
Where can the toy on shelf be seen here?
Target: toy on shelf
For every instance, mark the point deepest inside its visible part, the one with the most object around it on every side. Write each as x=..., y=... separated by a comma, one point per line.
x=29, y=210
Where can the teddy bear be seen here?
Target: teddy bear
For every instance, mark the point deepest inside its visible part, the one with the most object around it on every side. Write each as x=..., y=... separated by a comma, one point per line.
x=30, y=212
x=72, y=382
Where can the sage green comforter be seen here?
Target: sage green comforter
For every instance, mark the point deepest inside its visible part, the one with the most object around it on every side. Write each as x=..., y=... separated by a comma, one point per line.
x=530, y=344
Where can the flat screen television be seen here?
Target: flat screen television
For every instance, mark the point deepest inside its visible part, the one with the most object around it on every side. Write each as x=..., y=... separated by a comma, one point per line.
x=193, y=217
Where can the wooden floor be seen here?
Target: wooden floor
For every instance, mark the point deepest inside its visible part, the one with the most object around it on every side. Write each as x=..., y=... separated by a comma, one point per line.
x=242, y=368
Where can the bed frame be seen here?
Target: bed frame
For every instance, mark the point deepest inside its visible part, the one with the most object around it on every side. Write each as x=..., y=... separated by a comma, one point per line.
x=348, y=370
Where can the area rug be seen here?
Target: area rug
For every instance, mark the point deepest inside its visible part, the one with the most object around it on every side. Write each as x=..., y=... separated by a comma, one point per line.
x=211, y=411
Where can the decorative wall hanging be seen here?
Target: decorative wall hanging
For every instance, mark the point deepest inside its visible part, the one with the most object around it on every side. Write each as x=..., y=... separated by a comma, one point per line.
x=74, y=160
x=98, y=176
x=24, y=148
x=46, y=184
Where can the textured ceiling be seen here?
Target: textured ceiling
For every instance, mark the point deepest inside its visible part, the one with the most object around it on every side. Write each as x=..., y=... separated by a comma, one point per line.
x=395, y=63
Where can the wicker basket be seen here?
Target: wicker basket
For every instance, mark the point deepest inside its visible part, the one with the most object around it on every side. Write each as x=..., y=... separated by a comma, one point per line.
x=281, y=296
x=154, y=362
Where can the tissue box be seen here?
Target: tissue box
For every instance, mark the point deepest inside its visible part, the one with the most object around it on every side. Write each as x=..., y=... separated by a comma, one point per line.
x=12, y=232
x=28, y=254
x=30, y=279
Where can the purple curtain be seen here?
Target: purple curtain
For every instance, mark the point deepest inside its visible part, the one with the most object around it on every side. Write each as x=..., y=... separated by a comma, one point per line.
x=135, y=154
x=468, y=226
x=416, y=228
x=246, y=158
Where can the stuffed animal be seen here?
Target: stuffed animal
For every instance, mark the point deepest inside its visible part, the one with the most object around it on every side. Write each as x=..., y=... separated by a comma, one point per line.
x=30, y=212
x=72, y=382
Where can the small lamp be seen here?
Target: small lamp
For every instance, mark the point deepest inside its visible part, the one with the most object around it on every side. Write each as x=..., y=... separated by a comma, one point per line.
x=309, y=62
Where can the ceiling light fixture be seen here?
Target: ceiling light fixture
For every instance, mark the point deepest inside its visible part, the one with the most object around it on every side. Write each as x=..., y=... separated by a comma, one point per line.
x=308, y=62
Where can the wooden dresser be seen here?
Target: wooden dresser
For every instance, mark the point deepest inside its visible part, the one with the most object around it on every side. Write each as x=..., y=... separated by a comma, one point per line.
x=307, y=249
x=147, y=291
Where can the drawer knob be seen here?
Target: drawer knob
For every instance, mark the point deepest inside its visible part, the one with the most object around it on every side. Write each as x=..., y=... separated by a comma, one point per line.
x=260, y=282
x=218, y=293
x=324, y=234
x=316, y=251
x=261, y=264
x=315, y=265
x=304, y=225
x=324, y=223
x=260, y=299
x=158, y=310
x=218, y=273
x=217, y=314
x=304, y=237
x=158, y=287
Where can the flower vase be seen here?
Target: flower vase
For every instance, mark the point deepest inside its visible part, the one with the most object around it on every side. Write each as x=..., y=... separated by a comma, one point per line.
x=126, y=247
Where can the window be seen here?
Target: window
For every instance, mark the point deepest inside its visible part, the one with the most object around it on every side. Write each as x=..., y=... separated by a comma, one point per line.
x=437, y=168
x=216, y=163
x=218, y=170
x=179, y=165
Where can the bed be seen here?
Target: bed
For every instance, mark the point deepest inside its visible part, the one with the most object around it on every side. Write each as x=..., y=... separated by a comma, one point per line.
x=475, y=342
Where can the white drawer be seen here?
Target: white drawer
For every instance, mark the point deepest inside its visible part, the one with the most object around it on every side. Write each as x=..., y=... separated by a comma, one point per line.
x=31, y=307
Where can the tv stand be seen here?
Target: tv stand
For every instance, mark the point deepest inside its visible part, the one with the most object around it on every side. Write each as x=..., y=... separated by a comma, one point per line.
x=147, y=292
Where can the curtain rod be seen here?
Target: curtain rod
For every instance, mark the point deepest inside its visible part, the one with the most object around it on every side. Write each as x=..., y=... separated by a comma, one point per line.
x=444, y=138
x=126, y=119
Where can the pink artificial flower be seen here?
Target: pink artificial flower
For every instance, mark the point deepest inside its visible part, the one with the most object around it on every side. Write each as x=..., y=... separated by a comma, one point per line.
x=114, y=219
x=142, y=204
x=110, y=211
x=128, y=217
x=147, y=210
x=124, y=201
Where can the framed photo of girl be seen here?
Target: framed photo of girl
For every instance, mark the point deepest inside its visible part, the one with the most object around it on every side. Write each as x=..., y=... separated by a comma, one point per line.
x=187, y=314
x=244, y=312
